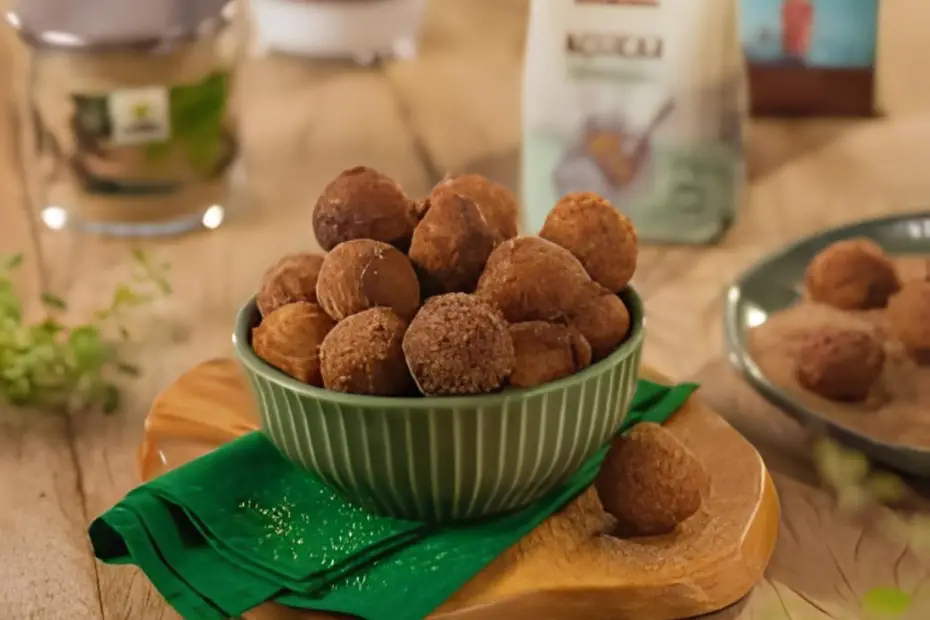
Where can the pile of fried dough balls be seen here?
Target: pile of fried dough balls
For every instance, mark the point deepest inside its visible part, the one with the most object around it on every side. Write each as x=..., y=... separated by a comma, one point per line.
x=441, y=297
x=856, y=275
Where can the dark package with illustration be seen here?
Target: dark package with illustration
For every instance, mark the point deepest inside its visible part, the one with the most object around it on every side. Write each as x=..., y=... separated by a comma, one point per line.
x=810, y=57
x=642, y=102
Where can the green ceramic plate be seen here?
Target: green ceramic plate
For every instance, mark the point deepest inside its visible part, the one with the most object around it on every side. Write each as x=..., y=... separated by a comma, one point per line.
x=776, y=283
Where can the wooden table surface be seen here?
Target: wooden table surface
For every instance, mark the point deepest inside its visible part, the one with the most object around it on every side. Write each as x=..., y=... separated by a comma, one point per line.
x=455, y=108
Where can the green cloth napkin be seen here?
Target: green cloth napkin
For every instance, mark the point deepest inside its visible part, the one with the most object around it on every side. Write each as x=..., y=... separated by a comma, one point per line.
x=241, y=526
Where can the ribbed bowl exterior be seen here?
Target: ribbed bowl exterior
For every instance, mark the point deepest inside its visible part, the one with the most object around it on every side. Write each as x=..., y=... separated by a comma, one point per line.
x=445, y=459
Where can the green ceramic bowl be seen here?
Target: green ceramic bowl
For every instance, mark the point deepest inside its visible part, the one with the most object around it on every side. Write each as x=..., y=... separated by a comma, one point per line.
x=445, y=458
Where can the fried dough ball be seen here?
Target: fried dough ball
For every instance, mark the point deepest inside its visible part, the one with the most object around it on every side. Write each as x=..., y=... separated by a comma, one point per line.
x=546, y=352
x=289, y=339
x=602, y=318
x=363, y=355
x=650, y=481
x=598, y=234
x=362, y=203
x=458, y=344
x=362, y=274
x=293, y=278
x=909, y=319
x=854, y=274
x=840, y=364
x=531, y=279
x=497, y=204
x=451, y=244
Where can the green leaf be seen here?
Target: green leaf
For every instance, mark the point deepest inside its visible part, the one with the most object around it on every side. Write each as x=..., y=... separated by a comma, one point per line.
x=110, y=400
x=885, y=488
x=139, y=256
x=886, y=602
x=14, y=261
x=87, y=347
x=125, y=296
x=54, y=302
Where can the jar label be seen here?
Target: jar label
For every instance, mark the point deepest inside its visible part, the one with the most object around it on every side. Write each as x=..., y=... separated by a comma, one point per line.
x=140, y=116
x=150, y=140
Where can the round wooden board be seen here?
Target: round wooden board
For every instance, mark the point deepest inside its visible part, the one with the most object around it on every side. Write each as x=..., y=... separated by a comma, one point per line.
x=567, y=567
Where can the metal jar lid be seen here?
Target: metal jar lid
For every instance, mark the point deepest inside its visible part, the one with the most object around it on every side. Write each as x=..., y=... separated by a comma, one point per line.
x=100, y=25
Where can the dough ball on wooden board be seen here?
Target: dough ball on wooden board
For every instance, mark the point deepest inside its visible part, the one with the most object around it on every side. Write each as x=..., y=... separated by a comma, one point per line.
x=854, y=274
x=362, y=203
x=650, y=482
x=363, y=354
x=602, y=318
x=598, y=234
x=840, y=364
x=451, y=245
x=291, y=279
x=909, y=319
x=496, y=203
x=290, y=337
x=531, y=279
x=362, y=274
x=458, y=344
x=546, y=352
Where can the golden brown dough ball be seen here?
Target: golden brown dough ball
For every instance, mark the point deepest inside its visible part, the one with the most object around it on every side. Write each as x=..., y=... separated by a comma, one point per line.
x=854, y=274
x=497, y=204
x=289, y=339
x=362, y=203
x=293, y=278
x=840, y=364
x=363, y=354
x=531, y=279
x=546, y=352
x=598, y=234
x=451, y=245
x=362, y=274
x=602, y=318
x=458, y=344
x=650, y=481
x=909, y=319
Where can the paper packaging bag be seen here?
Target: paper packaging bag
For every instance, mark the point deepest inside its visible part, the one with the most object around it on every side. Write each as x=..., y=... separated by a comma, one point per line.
x=641, y=101
x=810, y=57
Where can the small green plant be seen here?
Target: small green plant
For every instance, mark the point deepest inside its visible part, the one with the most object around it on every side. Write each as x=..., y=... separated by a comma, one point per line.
x=50, y=365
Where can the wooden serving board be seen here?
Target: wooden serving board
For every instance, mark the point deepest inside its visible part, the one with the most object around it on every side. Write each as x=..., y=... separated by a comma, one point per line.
x=568, y=567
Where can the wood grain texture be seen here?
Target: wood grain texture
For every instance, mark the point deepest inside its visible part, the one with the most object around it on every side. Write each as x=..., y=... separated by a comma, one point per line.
x=825, y=561
x=567, y=567
x=47, y=570
x=454, y=108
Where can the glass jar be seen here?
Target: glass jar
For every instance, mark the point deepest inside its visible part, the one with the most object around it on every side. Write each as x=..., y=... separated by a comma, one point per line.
x=362, y=30
x=135, y=134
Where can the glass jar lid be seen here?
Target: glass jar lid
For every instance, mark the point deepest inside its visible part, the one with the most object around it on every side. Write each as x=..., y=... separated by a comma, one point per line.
x=96, y=25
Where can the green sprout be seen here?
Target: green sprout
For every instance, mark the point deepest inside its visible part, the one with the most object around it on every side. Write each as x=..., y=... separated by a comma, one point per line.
x=53, y=366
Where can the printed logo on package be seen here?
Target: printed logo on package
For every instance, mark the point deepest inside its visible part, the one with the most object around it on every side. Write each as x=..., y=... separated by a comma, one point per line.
x=140, y=116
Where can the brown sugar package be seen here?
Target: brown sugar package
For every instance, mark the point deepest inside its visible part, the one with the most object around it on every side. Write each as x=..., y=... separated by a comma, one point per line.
x=810, y=57
x=641, y=102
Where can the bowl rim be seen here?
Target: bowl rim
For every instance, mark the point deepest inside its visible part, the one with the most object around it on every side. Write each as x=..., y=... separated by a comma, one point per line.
x=245, y=321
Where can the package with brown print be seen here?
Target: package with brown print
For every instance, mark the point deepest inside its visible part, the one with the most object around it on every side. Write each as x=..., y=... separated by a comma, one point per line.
x=639, y=101
x=810, y=57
